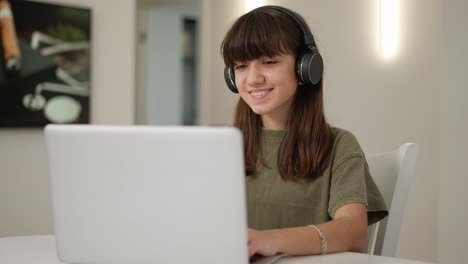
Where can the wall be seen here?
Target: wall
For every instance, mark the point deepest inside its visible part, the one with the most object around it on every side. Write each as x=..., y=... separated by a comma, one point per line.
x=385, y=103
x=164, y=86
x=143, y=104
x=24, y=192
x=216, y=101
x=453, y=129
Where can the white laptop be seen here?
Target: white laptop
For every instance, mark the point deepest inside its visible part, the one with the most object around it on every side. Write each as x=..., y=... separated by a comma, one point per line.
x=140, y=194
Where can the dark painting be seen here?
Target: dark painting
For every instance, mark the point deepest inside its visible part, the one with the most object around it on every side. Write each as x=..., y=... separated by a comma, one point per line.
x=45, y=55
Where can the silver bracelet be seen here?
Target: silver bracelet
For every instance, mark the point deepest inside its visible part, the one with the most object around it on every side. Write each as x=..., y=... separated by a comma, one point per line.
x=322, y=237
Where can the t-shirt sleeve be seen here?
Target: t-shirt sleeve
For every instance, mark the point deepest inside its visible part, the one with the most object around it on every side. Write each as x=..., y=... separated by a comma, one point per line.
x=351, y=181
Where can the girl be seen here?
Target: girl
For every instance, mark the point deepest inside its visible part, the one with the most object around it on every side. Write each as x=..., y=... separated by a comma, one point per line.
x=309, y=190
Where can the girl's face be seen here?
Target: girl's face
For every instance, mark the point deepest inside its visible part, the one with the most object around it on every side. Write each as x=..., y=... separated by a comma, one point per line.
x=268, y=86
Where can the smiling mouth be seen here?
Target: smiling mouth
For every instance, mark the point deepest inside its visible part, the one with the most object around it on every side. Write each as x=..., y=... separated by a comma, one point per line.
x=258, y=94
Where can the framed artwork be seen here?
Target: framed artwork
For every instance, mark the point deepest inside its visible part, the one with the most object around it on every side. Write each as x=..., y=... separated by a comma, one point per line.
x=45, y=63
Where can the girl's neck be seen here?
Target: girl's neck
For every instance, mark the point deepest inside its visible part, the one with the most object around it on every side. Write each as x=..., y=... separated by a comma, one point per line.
x=273, y=123
x=278, y=118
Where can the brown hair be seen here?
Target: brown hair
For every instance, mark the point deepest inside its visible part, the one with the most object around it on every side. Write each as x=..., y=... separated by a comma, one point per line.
x=305, y=150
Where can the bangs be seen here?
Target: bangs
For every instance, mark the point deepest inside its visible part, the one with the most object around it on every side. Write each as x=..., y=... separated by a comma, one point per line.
x=261, y=33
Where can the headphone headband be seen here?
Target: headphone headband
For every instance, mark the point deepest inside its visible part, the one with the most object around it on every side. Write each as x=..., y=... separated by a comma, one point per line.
x=308, y=37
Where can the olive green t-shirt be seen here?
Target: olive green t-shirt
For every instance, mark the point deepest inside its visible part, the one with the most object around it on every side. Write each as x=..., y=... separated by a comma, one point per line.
x=275, y=203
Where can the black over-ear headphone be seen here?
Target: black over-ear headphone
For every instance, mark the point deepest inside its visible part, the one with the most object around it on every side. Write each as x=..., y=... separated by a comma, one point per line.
x=309, y=64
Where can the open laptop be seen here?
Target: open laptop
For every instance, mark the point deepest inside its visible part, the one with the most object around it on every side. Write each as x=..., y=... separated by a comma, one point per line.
x=140, y=194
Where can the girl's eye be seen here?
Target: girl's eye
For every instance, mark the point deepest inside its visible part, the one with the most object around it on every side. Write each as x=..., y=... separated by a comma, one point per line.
x=239, y=66
x=268, y=62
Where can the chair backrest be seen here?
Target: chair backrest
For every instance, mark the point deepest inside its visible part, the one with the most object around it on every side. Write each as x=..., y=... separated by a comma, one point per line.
x=392, y=172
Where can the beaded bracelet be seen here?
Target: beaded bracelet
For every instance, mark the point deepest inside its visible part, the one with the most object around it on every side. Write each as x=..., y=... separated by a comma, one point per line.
x=322, y=237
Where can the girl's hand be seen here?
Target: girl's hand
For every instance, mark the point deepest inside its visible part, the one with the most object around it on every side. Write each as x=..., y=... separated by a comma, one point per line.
x=265, y=243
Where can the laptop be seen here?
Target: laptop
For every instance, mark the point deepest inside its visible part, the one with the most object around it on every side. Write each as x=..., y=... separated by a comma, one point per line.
x=141, y=194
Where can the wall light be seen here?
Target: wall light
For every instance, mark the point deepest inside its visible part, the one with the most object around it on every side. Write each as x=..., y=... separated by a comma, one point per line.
x=252, y=4
x=389, y=14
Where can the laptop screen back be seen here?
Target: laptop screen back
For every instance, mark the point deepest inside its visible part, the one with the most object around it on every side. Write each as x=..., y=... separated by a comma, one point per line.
x=137, y=194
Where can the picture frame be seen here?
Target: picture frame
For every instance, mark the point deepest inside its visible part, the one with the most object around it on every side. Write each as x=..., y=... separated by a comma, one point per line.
x=46, y=79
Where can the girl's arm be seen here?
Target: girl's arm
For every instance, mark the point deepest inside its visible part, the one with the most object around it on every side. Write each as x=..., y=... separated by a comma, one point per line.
x=346, y=232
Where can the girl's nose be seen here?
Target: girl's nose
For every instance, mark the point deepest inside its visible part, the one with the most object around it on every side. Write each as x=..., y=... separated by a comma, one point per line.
x=254, y=75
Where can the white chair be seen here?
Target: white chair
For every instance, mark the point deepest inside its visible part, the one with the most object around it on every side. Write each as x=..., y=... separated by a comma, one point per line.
x=392, y=172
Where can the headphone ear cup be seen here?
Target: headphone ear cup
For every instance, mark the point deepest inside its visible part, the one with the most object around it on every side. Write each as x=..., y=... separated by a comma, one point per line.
x=309, y=67
x=230, y=79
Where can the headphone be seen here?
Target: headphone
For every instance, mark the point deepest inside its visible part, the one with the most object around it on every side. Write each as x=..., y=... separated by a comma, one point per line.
x=309, y=64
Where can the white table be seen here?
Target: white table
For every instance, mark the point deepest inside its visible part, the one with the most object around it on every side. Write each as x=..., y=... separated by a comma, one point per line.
x=41, y=250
